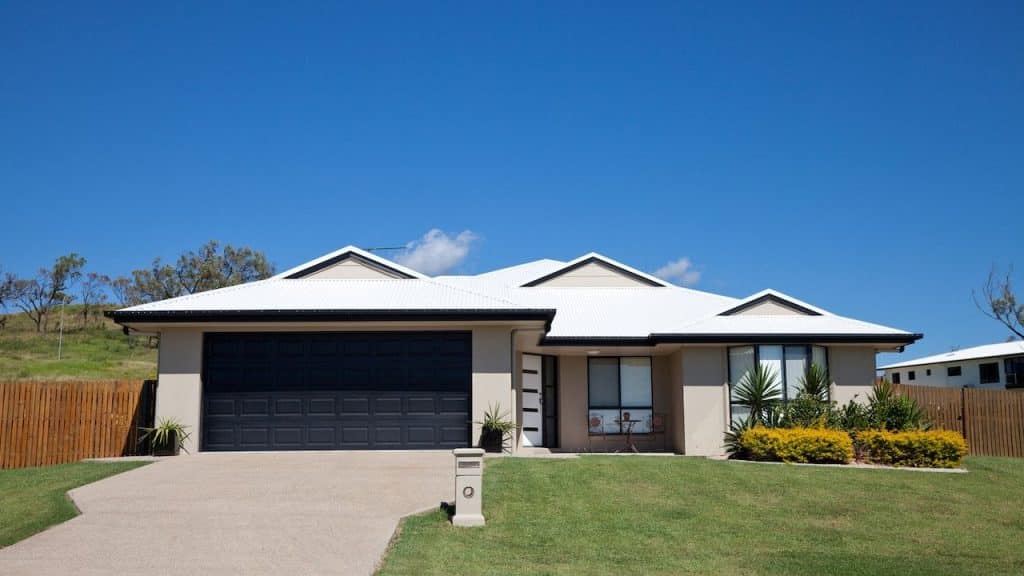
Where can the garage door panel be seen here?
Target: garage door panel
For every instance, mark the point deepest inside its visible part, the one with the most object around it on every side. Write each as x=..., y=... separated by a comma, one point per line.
x=288, y=407
x=355, y=406
x=286, y=391
x=319, y=406
x=255, y=407
x=288, y=437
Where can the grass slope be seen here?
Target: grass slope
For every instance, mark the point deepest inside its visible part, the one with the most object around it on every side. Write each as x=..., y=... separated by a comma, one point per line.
x=636, y=515
x=97, y=352
x=33, y=499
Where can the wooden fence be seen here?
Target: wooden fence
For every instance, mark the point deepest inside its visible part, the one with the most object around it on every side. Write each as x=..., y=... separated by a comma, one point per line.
x=43, y=423
x=992, y=421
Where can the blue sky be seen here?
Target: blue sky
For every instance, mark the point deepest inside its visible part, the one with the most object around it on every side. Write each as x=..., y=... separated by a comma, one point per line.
x=866, y=158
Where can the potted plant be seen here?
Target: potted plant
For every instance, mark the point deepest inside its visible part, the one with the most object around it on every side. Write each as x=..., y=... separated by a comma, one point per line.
x=494, y=428
x=167, y=438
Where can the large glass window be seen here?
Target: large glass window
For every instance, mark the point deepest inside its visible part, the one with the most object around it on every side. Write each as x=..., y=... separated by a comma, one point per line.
x=788, y=363
x=988, y=373
x=620, y=395
x=1014, y=368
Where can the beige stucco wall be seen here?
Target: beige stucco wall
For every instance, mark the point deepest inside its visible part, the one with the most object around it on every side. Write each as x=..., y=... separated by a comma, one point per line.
x=675, y=378
x=179, y=390
x=853, y=372
x=573, y=406
x=572, y=402
x=593, y=275
x=492, y=373
x=705, y=394
x=351, y=269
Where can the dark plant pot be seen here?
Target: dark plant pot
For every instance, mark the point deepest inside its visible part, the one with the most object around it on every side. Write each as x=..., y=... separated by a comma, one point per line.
x=492, y=440
x=172, y=448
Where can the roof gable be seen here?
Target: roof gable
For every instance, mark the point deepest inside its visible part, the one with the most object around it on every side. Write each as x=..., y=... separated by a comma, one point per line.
x=772, y=303
x=350, y=263
x=595, y=270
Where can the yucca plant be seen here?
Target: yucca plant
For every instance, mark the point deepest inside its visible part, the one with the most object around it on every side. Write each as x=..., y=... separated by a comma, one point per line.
x=734, y=437
x=890, y=410
x=167, y=438
x=494, y=428
x=815, y=382
x=759, y=391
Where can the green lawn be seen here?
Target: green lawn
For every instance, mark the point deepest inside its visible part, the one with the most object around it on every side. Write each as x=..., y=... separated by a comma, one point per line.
x=33, y=499
x=656, y=515
x=97, y=352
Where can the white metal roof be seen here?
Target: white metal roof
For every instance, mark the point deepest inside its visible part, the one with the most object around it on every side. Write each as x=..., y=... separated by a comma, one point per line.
x=623, y=312
x=1015, y=348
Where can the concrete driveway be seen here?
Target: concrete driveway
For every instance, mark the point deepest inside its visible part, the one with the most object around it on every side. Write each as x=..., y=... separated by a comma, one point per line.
x=285, y=513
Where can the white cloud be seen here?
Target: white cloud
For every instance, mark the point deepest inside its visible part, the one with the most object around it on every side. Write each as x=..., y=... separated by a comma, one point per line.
x=679, y=271
x=437, y=252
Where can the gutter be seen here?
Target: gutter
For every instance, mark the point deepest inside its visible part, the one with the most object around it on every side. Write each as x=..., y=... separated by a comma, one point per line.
x=325, y=315
x=737, y=338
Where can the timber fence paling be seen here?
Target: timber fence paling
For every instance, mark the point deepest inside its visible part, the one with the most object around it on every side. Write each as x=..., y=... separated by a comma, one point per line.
x=992, y=421
x=44, y=423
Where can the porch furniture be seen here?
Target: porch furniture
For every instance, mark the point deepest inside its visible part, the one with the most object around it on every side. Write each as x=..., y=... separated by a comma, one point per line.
x=627, y=425
x=659, y=426
x=596, y=422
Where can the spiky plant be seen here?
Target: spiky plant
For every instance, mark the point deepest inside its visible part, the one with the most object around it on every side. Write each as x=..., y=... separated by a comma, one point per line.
x=166, y=433
x=734, y=437
x=759, y=390
x=815, y=382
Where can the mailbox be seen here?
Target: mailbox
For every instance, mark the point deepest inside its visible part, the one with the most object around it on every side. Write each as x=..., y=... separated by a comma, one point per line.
x=469, y=470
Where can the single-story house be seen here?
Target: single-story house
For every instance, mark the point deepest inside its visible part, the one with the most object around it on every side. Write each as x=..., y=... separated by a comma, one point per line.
x=353, y=351
x=998, y=366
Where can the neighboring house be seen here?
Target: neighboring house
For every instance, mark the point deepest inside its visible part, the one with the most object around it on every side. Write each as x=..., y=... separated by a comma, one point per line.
x=989, y=366
x=353, y=351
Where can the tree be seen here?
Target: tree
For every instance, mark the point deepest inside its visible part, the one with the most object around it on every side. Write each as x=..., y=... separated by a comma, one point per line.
x=6, y=289
x=208, y=268
x=92, y=292
x=159, y=282
x=36, y=297
x=1000, y=303
x=120, y=288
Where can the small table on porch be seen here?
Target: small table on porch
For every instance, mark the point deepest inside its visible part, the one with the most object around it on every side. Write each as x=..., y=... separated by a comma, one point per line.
x=627, y=425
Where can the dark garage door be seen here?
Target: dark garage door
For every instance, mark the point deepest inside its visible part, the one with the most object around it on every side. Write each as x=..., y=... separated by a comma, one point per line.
x=336, y=391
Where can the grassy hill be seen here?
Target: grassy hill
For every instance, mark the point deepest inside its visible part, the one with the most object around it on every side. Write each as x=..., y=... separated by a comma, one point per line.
x=99, y=351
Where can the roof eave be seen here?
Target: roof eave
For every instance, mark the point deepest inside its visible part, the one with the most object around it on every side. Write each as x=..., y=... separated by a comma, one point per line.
x=749, y=338
x=360, y=315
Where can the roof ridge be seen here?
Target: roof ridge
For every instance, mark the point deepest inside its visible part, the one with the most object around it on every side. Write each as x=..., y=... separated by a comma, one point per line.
x=472, y=292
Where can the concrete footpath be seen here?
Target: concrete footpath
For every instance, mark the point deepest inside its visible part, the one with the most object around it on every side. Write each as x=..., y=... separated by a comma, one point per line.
x=265, y=513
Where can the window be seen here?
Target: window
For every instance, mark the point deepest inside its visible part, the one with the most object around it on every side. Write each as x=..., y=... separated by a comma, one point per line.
x=788, y=363
x=928, y=372
x=911, y=375
x=988, y=373
x=953, y=371
x=620, y=390
x=895, y=377
x=1014, y=368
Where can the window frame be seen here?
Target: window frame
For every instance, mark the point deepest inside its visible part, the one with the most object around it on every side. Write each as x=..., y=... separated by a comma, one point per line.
x=911, y=375
x=981, y=373
x=620, y=407
x=808, y=348
x=959, y=371
x=1014, y=377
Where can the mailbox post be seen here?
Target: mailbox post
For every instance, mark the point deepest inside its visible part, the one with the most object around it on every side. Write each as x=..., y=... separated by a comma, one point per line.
x=469, y=469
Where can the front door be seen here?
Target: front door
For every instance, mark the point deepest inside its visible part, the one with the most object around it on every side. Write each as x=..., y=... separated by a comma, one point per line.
x=533, y=403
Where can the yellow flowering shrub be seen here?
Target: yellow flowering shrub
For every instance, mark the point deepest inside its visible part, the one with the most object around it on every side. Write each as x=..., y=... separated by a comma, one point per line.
x=815, y=445
x=919, y=449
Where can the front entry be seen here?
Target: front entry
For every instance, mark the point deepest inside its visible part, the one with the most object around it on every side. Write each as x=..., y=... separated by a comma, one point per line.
x=533, y=402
